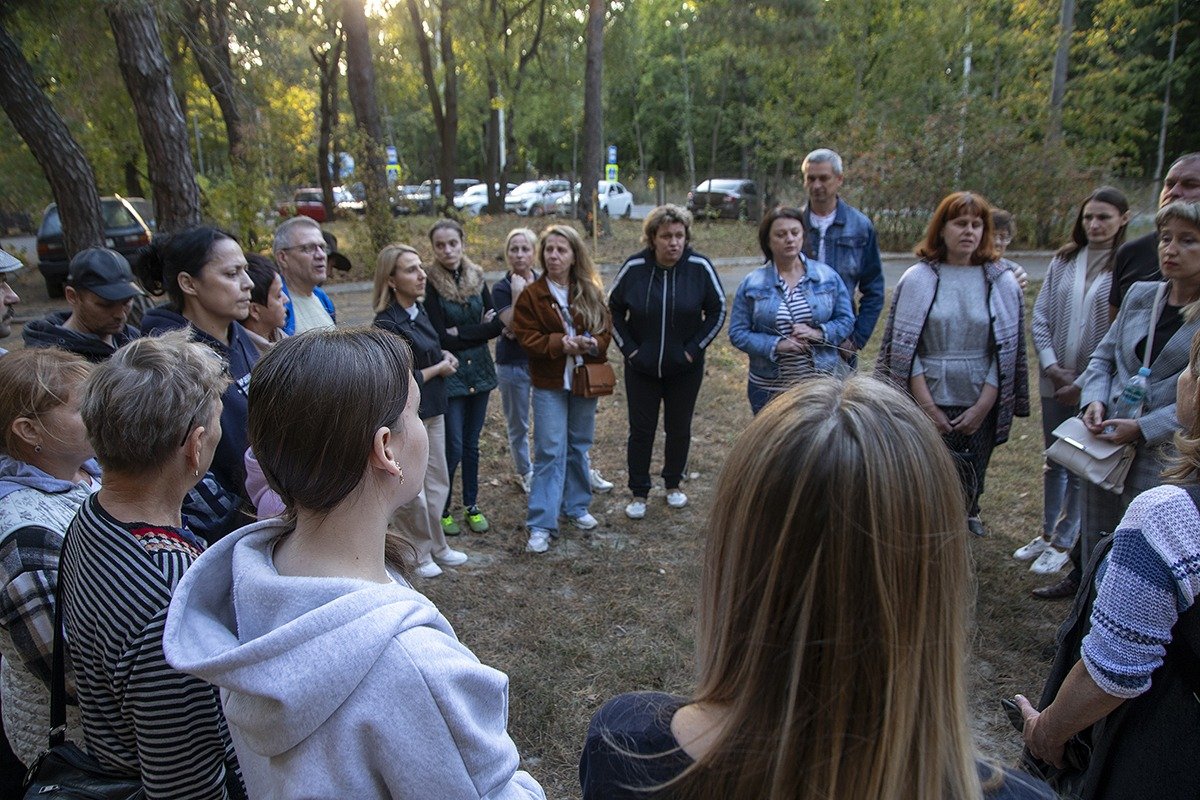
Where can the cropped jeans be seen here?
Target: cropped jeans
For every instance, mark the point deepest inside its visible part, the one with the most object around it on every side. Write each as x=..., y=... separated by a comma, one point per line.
x=464, y=422
x=1061, y=490
x=515, y=389
x=563, y=428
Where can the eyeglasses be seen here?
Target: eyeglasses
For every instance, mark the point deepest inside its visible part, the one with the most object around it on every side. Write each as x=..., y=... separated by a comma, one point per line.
x=309, y=249
x=192, y=423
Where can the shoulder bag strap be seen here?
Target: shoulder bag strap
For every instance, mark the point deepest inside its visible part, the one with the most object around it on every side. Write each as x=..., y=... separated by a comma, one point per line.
x=1155, y=310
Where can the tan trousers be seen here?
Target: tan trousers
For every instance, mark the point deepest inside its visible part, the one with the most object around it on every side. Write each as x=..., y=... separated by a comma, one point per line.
x=420, y=520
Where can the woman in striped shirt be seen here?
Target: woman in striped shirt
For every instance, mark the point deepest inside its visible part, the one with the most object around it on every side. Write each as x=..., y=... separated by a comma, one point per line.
x=153, y=415
x=790, y=313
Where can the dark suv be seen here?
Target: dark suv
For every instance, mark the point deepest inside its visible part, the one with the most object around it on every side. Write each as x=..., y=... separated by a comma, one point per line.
x=128, y=225
x=732, y=198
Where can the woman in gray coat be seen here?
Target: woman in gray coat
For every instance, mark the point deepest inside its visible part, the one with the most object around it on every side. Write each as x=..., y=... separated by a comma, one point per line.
x=1118, y=356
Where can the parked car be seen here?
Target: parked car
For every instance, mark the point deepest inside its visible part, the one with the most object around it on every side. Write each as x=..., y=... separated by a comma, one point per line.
x=614, y=199
x=420, y=201
x=472, y=201
x=536, y=198
x=310, y=202
x=128, y=225
x=732, y=198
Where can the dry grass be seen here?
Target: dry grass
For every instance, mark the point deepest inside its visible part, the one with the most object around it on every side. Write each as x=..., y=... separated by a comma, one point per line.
x=612, y=611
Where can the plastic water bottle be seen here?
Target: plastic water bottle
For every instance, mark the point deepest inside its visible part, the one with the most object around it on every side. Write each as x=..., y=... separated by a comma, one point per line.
x=1129, y=404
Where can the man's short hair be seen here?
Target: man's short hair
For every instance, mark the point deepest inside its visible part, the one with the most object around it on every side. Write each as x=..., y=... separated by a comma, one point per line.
x=823, y=155
x=283, y=233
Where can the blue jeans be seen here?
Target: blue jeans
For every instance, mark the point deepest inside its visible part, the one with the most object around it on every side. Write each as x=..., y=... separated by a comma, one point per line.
x=563, y=426
x=515, y=390
x=1061, y=490
x=464, y=422
x=758, y=397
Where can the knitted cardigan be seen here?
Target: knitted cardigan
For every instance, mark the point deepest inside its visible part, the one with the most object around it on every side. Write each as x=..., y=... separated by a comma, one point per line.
x=1051, y=318
x=911, y=301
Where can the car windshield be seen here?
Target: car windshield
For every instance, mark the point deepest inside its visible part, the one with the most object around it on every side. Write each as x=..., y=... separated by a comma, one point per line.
x=527, y=187
x=719, y=185
x=116, y=215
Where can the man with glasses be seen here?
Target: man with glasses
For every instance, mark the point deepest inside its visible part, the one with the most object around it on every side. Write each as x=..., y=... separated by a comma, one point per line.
x=302, y=256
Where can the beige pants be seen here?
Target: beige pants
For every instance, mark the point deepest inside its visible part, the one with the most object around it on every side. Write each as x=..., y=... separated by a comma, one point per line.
x=420, y=520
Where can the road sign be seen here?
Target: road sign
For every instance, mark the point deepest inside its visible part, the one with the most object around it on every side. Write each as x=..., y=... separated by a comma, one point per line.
x=612, y=154
x=610, y=172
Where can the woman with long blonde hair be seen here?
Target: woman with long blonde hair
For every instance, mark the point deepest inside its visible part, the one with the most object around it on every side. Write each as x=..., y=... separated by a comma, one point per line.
x=833, y=622
x=561, y=320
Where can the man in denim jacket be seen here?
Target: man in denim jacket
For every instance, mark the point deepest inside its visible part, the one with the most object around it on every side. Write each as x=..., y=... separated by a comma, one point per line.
x=841, y=236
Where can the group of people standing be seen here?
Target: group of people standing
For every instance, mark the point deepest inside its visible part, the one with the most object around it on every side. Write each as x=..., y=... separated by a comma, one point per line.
x=125, y=469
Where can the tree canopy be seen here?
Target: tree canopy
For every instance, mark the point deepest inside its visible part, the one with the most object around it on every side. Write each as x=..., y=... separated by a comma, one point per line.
x=919, y=97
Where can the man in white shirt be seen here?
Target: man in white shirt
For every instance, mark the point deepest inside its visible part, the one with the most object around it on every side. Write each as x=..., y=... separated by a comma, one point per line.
x=302, y=256
x=837, y=234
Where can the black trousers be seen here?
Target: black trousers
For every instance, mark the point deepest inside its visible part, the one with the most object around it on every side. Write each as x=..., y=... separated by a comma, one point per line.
x=644, y=395
x=971, y=455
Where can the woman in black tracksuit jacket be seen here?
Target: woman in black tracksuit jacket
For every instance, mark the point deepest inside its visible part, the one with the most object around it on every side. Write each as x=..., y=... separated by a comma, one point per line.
x=667, y=306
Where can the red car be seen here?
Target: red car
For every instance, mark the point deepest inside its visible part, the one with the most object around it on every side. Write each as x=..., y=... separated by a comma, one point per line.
x=308, y=202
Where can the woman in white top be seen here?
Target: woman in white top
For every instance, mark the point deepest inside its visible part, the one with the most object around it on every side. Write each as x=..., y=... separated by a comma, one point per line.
x=1070, y=317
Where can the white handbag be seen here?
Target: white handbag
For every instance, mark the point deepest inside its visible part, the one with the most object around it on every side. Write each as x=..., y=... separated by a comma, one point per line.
x=1103, y=463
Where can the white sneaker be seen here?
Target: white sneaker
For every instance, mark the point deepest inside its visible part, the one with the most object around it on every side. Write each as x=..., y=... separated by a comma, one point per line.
x=598, y=483
x=527, y=482
x=585, y=521
x=539, y=540
x=450, y=557
x=429, y=570
x=1035, y=548
x=1050, y=561
x=636, y=508
x=676, y=499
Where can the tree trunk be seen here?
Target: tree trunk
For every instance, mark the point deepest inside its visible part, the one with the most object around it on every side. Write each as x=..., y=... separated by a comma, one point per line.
x=206, y=24
x=133, y=180
x=491, y=150
x=327, y=75
x=448, y=162
x=1062, y=58
x=161, y=124
x=1160, y=157
x=689, y=144
x=360, y=85
x=427, y=71
x=70, y=175
x=593, y=87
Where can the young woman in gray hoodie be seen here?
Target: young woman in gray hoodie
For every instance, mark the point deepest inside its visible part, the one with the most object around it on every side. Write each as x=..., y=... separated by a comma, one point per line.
x=338, y=678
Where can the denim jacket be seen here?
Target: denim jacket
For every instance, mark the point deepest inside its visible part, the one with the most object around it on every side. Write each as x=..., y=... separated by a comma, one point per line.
x=752, y=326
x=852, y=249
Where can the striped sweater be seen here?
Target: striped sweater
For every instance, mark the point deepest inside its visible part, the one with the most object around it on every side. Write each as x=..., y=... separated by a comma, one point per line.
x=140, y=716
x=1151, y=576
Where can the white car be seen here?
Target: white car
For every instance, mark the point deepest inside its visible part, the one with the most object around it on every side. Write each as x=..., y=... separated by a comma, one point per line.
x=615, y=200
x=473, y=200
x=536, y=198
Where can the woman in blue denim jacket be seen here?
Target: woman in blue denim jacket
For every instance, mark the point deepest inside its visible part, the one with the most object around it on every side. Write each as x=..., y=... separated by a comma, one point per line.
x=790, y=313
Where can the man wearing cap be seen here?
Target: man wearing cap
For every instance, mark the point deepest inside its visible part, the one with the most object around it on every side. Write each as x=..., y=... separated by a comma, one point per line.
x=8, y=298
x=100, y=289
x=302, y=255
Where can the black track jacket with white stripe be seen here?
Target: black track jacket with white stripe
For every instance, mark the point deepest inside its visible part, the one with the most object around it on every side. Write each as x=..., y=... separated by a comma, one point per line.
x=659, y=314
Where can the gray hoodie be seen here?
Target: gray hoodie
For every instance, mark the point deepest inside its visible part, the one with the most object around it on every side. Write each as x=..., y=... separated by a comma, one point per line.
x=337, y=687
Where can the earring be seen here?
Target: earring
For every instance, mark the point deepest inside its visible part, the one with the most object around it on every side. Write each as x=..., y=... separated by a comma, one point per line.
x=196, y=473
x=396, y=464
x=37, y=448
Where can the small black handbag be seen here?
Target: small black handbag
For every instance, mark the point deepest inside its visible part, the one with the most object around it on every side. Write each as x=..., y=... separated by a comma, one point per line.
x=66, y=771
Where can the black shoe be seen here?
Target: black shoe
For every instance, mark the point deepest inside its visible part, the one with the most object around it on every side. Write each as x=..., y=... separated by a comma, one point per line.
x=975, y=526
x=1057, y=591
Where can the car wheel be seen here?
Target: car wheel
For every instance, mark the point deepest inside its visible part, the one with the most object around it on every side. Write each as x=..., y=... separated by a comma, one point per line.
x=628, y=211
x=536, y=211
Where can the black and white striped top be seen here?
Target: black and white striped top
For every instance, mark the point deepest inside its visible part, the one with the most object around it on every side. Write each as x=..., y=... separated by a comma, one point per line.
x=140, y=716
x=794, y=309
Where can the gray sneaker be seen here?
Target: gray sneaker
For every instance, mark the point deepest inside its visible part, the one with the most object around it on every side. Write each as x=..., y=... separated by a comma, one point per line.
x=539, y=540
